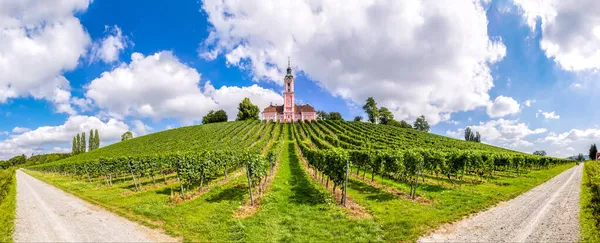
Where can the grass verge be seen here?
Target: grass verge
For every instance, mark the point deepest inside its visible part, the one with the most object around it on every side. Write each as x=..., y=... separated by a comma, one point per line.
x=8, y=193
x=590, y=203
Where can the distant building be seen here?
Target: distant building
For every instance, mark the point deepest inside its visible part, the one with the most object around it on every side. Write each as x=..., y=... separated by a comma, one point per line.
x=289, y=111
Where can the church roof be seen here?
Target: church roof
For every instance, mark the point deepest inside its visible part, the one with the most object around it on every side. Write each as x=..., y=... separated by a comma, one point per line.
x=297, y=109
x=274, y=108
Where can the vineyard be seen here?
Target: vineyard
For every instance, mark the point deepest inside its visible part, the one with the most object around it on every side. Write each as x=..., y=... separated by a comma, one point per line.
x=373, y=166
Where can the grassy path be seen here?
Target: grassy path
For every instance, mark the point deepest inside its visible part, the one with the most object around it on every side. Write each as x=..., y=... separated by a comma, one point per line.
x=298, y=210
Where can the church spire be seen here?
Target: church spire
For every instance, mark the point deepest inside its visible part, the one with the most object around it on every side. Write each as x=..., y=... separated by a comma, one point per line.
x=289, y=69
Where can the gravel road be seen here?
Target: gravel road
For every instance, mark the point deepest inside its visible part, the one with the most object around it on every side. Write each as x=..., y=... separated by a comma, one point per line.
x=547, y=213
x=47, y=214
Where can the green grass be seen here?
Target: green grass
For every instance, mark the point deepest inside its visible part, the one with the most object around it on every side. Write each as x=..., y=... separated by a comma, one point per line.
x=297, y=209
x=7, y=204
x=590, y=202
x=406, y=220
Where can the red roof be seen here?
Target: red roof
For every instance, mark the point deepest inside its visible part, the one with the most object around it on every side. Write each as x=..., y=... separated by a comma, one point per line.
x=297, y=109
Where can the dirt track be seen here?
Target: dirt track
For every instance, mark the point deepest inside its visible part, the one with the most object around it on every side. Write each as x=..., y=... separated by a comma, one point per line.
x=547, y=213
x=47, y=214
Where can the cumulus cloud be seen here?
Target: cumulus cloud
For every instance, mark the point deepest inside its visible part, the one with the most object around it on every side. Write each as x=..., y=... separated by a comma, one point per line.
x=20, y=130
x=547, y=115
x=438, y=63
x=140, y=128
x=160, y=86
x=570, y=30
x=504, y=133
x=529, y=103
x=34, y=141
x=503, y=106
x=108, y=48
x=39, y=40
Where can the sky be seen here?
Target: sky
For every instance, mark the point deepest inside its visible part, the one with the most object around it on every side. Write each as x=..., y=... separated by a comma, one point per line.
x=523, y=73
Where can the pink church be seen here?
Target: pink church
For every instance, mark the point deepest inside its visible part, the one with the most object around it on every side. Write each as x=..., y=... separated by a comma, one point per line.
x=289, y=111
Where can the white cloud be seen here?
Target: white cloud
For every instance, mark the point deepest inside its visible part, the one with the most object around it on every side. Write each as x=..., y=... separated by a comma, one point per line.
x=453, y=122
x=33, y=141
x=140, y=128
x=39, y=40
x=4, y=133
x=438, y=63
x=160, y=86
x=458, y=134
x=503, y=106
x=504, y=133
x=547, y=115
x=20, y=130
x=570, y=30
x=108, y=48
x=529, y=103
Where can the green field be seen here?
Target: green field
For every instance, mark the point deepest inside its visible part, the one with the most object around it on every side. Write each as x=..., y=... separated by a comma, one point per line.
x=451, y=178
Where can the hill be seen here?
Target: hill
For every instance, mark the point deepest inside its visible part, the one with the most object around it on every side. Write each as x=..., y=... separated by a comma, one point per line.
x=255, y=181
x=241, y=134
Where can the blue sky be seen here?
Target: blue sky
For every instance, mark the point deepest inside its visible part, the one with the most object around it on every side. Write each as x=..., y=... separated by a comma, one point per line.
x=506, y=68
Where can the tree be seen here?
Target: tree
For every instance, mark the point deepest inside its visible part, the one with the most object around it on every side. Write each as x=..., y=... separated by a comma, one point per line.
x=540, y=152
x=593, y=151
x=83, y=143
x=126, y=136
x=91, y=140
x=215, y=116
x=580, y=157
x=74, y=147
x=247, y=110
x=371, y=109
x=321, y=115
x=334, y=116
x=385, y=115
x=401, y=124
x=18, y=160
x=421, y=124
x=477, y=137
x=358, y=118
x=97, y=140
x=468, y=134
x=78, y=144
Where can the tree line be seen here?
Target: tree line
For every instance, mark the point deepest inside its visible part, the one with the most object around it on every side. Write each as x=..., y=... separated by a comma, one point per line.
x=383, y=115
x=80, y=145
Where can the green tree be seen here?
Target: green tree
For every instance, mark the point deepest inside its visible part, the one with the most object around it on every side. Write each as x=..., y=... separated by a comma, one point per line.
x=540, y=152
x=477, y=137
x=321, y=115
x=215, y=116
x=83, y=142
x=593, y=151
x=97, y=140
x=126, y=136
x=421, y=124
x=78, y=144
x=371, y=109
x=247, y=110
x=91, y=141
x=401, y=124
x=468, y=134
x=18, y=160
x=580, y=157
x=334, y=116
x=385, y=115
x=358, y=118
x=74, y=148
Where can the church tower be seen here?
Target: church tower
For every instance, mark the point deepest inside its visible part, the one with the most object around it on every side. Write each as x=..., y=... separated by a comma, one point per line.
x=288, y=94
